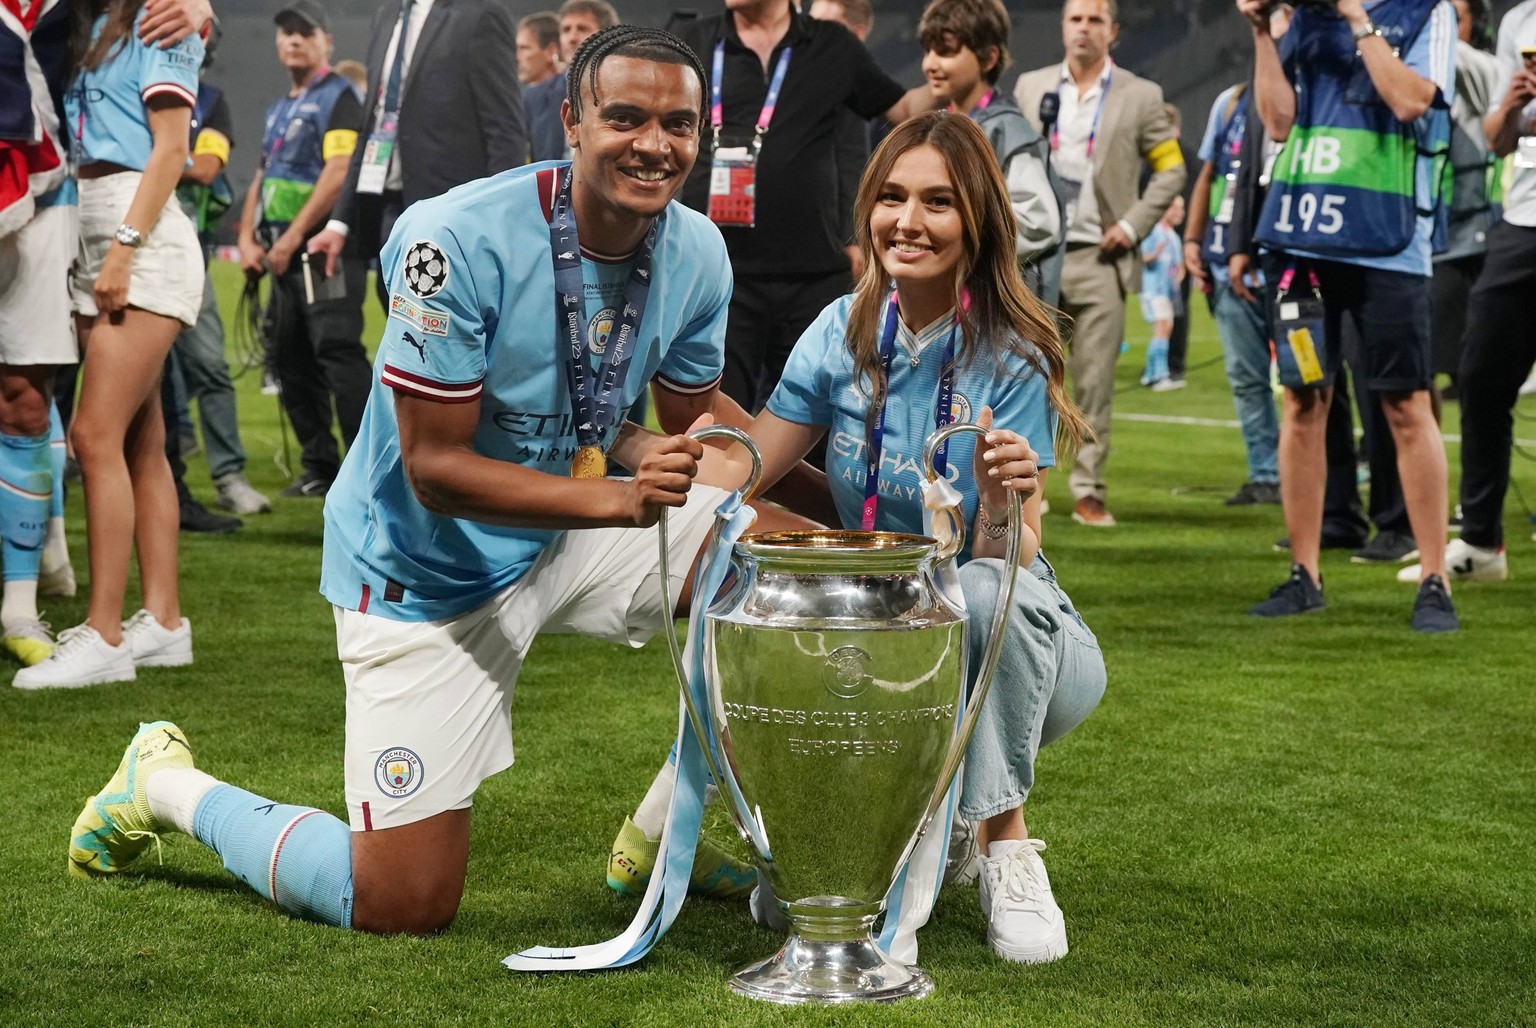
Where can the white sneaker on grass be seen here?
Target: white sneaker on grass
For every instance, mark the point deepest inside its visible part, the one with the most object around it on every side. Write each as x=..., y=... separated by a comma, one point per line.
x=154, y=645
x=59, y=581
x=81, y=657
x=1465, y=563
x=237, y=495
x=1024, y=924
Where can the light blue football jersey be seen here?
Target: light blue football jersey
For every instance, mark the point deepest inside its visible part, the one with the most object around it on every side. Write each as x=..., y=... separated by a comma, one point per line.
x=818, y=388
x=472, y=317
x=105, y=106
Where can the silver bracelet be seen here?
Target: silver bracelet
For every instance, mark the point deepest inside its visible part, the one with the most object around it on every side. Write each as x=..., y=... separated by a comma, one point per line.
x=988, y=529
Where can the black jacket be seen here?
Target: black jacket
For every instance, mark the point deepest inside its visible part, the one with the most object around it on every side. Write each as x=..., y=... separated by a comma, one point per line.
x=461, y=113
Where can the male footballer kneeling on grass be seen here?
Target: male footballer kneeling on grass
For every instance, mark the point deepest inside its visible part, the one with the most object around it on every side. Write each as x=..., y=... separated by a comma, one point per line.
x=527, y=312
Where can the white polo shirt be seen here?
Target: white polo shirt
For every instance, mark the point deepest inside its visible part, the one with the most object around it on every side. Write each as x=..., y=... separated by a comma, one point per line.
x=1517, y=30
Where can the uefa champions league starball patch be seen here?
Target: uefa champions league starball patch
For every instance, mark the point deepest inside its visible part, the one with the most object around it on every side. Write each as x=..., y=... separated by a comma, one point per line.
x=426, y=269
x=398, y=772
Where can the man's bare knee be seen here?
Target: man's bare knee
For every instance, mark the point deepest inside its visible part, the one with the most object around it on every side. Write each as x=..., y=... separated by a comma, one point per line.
x=1308, y=404
x=409, y=880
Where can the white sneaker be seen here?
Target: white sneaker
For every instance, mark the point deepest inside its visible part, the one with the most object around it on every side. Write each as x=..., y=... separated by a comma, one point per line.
x=154, y=645
x=960, y=864
x=1024, y=924
x=82, y=657
x=1465, y=563
x=237, y=495
x=59, y=581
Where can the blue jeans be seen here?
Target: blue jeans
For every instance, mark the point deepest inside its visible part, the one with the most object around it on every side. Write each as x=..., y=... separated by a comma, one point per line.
x=200, y=353
x=1244, y=331
x=1049, y=678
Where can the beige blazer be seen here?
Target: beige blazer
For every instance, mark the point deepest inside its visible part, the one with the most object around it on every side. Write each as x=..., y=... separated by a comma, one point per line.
x=1133, y=127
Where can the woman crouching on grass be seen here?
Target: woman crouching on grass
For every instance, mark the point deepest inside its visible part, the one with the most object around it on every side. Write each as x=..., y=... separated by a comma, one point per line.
x=138, y=278
x=934, y=220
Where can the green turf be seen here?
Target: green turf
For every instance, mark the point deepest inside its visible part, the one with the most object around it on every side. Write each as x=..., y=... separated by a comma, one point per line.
x=1322, y=821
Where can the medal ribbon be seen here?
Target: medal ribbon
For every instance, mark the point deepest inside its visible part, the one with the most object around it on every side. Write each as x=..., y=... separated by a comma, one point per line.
x=716, y=97
x=595, y=405
x=1098, y=112
x=943, y=414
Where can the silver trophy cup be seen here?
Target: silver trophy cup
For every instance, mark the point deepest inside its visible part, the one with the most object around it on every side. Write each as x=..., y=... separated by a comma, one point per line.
x=837, y=719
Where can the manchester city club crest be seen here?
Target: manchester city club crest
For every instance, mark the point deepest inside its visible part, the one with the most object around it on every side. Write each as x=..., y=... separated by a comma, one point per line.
x=960, y=408
x=426, y=269
x=398, y=772
x=599, y=328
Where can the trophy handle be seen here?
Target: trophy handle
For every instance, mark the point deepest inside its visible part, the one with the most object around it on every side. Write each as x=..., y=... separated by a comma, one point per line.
x=696, y=716
x=999, y=620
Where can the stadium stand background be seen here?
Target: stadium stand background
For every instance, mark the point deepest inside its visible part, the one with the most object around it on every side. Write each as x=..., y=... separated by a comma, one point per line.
x=1193, y=48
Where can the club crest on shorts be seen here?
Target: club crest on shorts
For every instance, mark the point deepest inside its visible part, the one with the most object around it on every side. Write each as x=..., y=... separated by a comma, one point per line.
x=426, y=269
x=398, y=772
x=599, y=328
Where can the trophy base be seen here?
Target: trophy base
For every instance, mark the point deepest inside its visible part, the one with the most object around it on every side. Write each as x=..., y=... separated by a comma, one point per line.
x=808, y=971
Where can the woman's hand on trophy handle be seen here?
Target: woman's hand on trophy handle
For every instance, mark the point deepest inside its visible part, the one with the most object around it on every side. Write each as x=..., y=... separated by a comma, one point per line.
x=1004, y=461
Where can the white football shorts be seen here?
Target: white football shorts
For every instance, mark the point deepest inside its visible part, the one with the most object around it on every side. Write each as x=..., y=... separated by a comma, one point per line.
x=35, y=326
x=429, y=704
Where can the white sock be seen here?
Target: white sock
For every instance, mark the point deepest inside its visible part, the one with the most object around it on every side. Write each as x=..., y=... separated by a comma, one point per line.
x=174, y=794
x=19, y=605
x=55, y=546
x=651, y=816
x=1002, y=847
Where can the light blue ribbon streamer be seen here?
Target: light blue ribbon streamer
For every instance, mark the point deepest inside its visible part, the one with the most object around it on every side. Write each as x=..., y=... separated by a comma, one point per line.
x=679, y=840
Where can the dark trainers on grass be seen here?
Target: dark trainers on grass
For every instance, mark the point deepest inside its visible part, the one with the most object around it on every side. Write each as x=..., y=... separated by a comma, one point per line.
x=1295, y=595
x=1251, y=494
x=1433, y=610
x=1387, y=548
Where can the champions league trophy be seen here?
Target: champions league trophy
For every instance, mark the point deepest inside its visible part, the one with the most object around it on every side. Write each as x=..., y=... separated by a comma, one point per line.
x=837, y=719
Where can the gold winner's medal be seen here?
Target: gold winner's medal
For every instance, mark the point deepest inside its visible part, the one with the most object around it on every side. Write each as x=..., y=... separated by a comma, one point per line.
x=589, y=462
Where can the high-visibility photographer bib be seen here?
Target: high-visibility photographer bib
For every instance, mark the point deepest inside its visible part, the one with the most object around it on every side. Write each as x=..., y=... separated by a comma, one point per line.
x=1351, y=180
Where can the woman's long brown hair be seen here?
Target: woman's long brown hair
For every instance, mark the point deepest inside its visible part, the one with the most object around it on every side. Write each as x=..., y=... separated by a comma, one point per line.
x=90, y=55
x=1002, y=315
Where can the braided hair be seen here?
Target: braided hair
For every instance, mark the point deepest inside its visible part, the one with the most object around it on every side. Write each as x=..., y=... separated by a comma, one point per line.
x=647, y=44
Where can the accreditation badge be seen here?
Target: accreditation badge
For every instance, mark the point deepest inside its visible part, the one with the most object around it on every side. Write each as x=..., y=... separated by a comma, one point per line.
x=1071, y=193
x=376, y=156
x=733, y=187
x=1301, y=351
x=1228, y=203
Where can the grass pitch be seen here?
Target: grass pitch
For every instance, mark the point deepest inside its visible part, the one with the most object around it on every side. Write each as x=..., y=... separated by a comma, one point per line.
x=1326, y=820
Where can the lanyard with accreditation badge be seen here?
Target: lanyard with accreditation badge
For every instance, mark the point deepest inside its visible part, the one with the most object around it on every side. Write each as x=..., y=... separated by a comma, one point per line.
x=733, y=172
x=380, y=148
x=594, y=395
x=1072, y=188
x=942, y=416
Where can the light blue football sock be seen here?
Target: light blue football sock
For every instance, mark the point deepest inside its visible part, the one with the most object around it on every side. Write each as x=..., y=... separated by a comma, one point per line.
x=298, y=857
x=26, y=472
x=59, y=452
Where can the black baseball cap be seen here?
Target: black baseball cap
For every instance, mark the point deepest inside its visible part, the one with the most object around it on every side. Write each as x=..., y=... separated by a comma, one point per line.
x=305, y=11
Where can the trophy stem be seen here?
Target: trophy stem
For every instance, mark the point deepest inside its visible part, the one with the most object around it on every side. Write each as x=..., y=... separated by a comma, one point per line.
x=848, y=967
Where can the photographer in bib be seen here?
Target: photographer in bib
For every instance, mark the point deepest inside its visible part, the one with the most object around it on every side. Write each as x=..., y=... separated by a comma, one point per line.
x=1360, y=94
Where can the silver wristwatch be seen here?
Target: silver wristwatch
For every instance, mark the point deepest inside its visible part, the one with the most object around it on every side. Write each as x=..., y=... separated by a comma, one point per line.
x=129, y=236
x=1365, y=31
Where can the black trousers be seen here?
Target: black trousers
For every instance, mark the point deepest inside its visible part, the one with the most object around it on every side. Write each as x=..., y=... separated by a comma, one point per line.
x=767, y=316
x=318, y=357
x=1500, y=350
